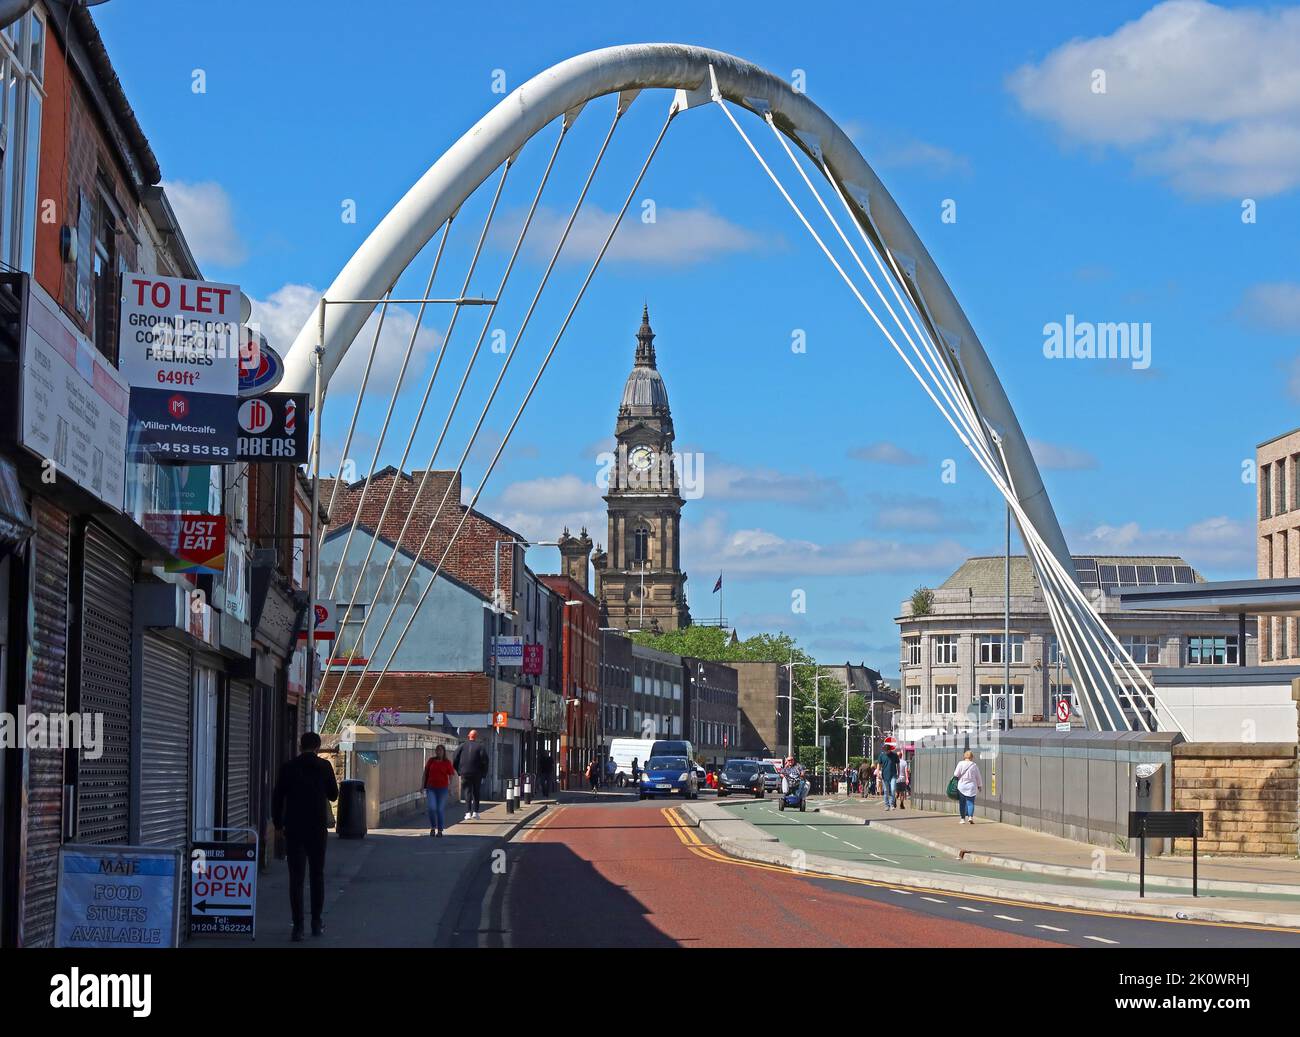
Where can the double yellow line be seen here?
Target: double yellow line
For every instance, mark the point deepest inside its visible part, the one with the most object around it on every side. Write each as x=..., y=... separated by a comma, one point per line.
x=686, y=833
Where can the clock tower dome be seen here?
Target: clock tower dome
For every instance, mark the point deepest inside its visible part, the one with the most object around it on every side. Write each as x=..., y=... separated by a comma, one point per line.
x=640, y=582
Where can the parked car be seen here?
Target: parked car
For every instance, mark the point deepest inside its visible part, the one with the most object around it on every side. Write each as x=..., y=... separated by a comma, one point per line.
x=744, y=777
x=667, y=776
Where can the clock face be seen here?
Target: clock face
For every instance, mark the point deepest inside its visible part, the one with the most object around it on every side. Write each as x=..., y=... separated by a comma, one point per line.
x=641, y=458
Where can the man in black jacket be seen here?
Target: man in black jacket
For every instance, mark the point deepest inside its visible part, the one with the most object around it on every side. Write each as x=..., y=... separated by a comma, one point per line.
x=471, y=763
x=300, y=809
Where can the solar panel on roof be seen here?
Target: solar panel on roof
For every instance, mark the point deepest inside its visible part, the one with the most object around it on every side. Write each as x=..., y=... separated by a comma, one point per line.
x=1085, y=564
x=1088, y=579
x=1146, y=574
x=1184, y=574
x=1127, y=575
x=1164, y=574
x=1107, y=574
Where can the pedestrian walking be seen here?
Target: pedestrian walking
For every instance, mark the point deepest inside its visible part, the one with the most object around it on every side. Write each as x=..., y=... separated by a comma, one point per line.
x=544, y=765
x=611, y=772
x=904, y=783
x=636, y=771
x=888, y=761
x=864, y=777
x=593, y=775
x=471, y=763
x=437, y=786
x=300, y=809
x=969, y=784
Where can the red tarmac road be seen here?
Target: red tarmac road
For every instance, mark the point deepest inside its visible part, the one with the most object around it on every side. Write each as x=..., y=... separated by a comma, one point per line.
x=624, y=876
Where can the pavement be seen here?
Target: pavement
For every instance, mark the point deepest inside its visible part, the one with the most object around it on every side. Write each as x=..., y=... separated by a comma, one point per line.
x=397, y=887
x=1020, y=849
x=859, y=840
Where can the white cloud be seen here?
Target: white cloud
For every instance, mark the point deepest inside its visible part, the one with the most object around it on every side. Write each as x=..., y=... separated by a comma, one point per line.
x=678, y=237
x=924, y=514
x=1205, y=96
x=760, y=553
x=1056, y=457
x=551, y=494
x=1272, y=307
x=282, y=314
x=1218, y=542
x=207, y=219
x=886, y=453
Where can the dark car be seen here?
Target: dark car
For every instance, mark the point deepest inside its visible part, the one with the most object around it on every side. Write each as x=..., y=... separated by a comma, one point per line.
x=742, y=777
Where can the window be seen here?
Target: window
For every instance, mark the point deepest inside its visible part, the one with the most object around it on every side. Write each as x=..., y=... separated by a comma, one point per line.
x=945, y=698
x=1282, y=503
x=299, y=550
x=22, y=73
x=1144, y=649
x=991, y=648
x=945, y=649
x=640, y=544
x=104, y=280
x=914, y=698
x=989, y=693
x=1058, y=692
x=1212, y=651
x=348, y=641
x=1266, y=491
x=914, y=651
x=1054, y=653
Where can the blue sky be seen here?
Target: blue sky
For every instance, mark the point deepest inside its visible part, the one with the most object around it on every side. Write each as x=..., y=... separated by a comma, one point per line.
x=822, y=470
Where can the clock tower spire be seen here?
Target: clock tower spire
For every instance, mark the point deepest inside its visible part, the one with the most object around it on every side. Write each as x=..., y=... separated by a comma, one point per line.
x=639, y=581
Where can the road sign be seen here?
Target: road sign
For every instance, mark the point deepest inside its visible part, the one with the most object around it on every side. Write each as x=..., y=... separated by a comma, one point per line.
x=223, y=888
x=500, y=719
x=890, y=743
x=1063, y=710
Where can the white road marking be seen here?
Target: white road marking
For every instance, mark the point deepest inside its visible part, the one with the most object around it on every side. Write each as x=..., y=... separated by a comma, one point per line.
x=849, y=844
x=972, y=910
x=1102, y=939
x=1051, y=928
x=934, y=900
x=880, y=858
x=901, y=892
x=1007, y=918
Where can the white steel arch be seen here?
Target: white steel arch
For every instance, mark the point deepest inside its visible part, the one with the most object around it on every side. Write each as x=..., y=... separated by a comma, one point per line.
x=701, y=75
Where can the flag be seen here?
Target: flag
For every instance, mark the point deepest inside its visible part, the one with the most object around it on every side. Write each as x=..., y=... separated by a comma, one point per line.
x=718, y=586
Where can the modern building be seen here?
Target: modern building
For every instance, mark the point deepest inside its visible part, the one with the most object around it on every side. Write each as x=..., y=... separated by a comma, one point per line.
x=640, y=582
x=1277, y=538
x=711, y=708
x=658, y=683
x=952, y=652
x=617, y=703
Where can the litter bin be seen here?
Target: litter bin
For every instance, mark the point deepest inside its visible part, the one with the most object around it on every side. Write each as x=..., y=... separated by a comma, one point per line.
x=351, y=810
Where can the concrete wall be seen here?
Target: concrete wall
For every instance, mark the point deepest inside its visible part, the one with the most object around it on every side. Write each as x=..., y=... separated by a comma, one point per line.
x=394, y=785
x=1248, y=794
x=1249, y=704
x=1079, y=785
x=762, y=719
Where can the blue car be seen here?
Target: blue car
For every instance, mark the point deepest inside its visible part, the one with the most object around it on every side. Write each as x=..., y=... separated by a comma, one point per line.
x=667, y=776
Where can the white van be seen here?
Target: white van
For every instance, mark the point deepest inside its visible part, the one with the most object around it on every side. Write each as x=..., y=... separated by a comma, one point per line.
x=624, y=751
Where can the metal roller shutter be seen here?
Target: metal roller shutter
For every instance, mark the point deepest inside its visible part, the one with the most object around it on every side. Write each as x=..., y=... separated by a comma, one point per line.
x=46, y=693
x=164, y=743
x=104, y=785
x=239, y=718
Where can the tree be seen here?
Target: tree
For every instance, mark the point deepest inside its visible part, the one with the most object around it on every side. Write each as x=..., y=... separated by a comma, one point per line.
x=922, y=601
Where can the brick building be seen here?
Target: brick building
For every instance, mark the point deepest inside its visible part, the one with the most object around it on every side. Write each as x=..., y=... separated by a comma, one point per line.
x=580, y=657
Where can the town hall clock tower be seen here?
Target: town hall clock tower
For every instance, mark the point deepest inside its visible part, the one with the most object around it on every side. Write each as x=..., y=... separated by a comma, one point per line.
x=640, y=583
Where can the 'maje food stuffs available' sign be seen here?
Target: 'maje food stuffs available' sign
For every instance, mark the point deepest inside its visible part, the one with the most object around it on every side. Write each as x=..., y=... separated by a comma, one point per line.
x=179, y=349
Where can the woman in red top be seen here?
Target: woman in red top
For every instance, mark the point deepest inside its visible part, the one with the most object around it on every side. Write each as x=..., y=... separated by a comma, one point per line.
x=437, y=782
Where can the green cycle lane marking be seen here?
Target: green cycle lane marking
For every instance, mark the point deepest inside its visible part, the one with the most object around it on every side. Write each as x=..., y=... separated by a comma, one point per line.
x=868, y=845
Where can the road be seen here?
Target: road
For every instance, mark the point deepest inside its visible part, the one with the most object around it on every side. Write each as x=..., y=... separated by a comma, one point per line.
x=622, y=873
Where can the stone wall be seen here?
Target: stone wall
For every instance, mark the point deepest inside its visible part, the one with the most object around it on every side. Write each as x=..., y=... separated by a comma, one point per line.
x=1247, y=791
